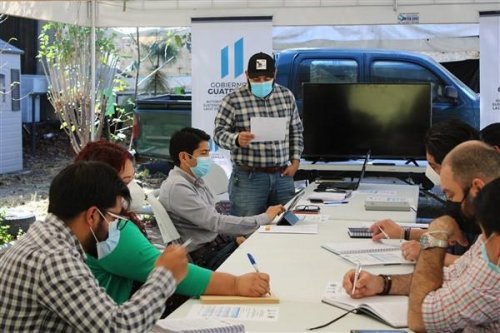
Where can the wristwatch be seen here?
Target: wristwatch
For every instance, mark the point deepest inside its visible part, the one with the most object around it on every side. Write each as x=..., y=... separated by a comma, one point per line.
x=428, y=241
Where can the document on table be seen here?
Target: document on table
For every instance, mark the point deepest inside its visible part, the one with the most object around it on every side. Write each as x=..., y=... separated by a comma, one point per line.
x=235, y=312
x=268, y=129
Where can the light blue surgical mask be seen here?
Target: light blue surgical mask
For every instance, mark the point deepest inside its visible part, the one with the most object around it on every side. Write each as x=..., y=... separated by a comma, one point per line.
x=107, y=246
x=202, y=167
x=261, y=89
x=492, y=266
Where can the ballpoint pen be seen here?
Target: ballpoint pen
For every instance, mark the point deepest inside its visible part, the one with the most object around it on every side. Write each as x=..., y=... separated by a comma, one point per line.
x=186, y=243
x=254, y=264
x=382, y=231
x=356, y=277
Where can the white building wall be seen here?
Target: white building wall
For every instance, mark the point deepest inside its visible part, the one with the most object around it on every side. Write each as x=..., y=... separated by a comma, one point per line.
x=11, y=143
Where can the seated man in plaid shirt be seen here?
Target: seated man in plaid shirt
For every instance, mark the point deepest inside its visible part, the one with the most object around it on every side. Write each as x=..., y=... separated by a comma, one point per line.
x=45, y=285
x=466, y=295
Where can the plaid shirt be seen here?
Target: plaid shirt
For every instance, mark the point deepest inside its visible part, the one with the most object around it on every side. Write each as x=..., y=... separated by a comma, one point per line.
x=45, y=286
x=234, y=115
x=469, y=298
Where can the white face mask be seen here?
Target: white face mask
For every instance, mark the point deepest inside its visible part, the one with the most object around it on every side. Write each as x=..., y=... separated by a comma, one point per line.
x=432, y=175
x=107, y=246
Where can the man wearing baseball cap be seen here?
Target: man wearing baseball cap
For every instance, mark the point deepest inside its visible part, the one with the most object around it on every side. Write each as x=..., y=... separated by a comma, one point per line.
x=262, y=171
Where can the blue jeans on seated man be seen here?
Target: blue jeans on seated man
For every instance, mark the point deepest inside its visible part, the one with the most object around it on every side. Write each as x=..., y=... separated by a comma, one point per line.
x=252, y=192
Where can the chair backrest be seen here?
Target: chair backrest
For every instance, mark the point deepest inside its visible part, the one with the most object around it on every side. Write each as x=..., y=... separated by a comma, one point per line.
x=167, y=228
x=216, y=180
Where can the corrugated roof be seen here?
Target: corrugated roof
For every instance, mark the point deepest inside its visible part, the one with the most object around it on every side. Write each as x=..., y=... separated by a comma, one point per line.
x=8, y=48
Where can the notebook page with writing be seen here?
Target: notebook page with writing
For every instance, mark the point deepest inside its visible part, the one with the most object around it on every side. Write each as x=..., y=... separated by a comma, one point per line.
x=368, y=253
x=197, y=325
x=391, y=310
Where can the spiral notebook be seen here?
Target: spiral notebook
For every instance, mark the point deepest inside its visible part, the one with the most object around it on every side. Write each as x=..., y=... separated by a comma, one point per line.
x=368, y=252
x=197, y=325
x=391, y=310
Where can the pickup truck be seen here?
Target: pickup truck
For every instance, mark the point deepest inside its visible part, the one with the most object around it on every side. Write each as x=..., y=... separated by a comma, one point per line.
x=157, y=118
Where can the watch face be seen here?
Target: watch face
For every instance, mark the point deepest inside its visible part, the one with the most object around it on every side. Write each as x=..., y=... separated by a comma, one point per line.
x=424, y=241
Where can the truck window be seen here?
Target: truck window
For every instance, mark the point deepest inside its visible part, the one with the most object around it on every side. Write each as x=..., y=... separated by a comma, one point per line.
x=327, y=71
x=406, y=72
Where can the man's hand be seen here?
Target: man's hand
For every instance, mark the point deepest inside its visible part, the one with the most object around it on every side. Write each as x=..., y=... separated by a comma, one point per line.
x=274, y=211
x=240, y=239
x=410, y=250
x=448, y=225
x=367, y=284
x=174, y=258
x=291, y=169
x=244, y=138
x=252, y=284
x=391, y=228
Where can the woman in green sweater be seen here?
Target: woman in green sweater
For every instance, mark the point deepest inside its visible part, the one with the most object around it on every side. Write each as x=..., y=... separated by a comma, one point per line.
x=132, y=257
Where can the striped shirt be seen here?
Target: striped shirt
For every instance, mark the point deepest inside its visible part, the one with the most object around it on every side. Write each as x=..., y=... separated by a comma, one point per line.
x=45, y=286
x=469, y=298
x=236, y=110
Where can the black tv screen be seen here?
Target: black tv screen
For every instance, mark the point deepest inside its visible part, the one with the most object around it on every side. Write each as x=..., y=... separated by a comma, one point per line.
x=347, y=120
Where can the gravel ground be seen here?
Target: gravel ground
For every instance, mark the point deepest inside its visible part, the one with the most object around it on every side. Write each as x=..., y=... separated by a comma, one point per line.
x=28, y=190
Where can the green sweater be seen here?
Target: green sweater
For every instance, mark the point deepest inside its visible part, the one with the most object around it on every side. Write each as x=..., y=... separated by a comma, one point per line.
x=133, y=259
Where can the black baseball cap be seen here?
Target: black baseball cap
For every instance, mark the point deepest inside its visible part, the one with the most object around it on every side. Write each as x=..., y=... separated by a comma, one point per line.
x=261, y=64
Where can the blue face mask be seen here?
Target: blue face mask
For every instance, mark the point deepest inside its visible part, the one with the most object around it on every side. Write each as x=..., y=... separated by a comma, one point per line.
x=261, y=89
x=492, y=266
x=107, y=246
x=203, y=166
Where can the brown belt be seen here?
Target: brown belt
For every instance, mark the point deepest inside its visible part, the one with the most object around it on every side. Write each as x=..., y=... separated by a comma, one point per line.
x=272, y=169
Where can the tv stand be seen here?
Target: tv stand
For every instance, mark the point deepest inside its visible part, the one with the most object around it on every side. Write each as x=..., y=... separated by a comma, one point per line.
x=410, y=161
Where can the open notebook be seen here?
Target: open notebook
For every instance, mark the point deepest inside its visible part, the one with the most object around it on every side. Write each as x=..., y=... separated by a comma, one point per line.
x=391, y=310
x=197, y=325
x=368, y=252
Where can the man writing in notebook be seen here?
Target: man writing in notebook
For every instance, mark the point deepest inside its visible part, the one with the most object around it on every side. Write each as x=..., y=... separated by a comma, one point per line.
x=465, y=295
x=439, y=140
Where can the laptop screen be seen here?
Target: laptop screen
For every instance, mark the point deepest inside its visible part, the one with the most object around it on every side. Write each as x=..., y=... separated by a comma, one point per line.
x=363, y=169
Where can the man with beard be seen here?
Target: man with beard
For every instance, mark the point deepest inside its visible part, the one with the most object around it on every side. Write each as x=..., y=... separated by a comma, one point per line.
x=45, y=285
x=465, y=295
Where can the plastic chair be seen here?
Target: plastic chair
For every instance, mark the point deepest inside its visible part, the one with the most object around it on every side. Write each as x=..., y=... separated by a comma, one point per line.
x=167, y=228
x=216, y=180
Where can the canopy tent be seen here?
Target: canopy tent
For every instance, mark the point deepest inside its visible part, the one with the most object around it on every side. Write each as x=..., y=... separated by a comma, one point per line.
x=143, y=13
x=291, y=13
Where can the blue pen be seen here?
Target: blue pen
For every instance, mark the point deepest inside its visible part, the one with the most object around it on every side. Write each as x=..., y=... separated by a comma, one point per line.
x=254, y=264
x=252, y=261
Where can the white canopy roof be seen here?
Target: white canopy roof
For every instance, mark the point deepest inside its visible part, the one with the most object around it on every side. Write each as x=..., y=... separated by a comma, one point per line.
x=284, y=12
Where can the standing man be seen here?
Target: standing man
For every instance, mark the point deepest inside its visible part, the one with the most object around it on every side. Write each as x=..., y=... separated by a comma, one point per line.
x=262, y=171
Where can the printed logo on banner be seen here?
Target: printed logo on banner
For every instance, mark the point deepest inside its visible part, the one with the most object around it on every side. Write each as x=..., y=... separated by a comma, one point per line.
x=237, y=59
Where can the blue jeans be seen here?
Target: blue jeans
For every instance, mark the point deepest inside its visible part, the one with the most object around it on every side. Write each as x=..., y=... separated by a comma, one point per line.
x=251, y=193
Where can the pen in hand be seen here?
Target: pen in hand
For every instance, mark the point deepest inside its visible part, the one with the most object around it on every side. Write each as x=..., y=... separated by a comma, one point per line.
x=254, y=264
x=356, y=277
x=382, y=231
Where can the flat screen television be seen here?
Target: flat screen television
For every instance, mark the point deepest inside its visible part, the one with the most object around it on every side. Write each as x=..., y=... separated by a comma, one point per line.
x=346, y=120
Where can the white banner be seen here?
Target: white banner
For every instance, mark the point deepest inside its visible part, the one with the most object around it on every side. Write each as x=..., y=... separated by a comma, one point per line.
x=489, y=67
x=221, y=49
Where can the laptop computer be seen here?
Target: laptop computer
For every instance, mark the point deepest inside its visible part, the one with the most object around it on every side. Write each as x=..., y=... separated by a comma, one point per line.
x=352, y=186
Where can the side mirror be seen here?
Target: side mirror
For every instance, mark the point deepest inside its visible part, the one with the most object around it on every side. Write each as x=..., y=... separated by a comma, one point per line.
x=450, y=92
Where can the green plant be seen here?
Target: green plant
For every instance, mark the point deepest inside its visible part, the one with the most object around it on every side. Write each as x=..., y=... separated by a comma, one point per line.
x=5, y=237
x=65, y=54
